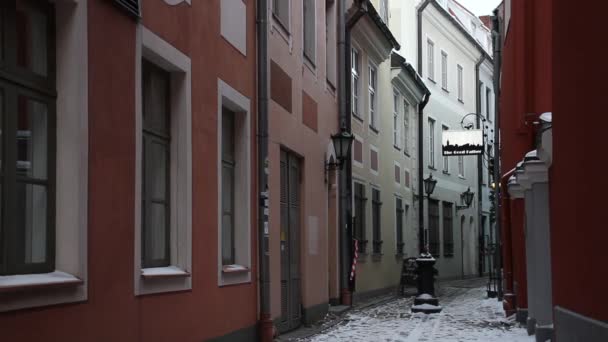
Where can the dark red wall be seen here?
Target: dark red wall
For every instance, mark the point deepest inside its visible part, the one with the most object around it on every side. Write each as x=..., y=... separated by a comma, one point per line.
x=112, y=311
x=525, y=94
x=579, y=231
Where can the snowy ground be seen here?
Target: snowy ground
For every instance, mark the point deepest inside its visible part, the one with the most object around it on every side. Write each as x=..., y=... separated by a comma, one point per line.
x=466, y=316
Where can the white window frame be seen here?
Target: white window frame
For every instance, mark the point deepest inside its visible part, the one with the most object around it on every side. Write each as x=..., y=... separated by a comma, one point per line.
x=372, y=83
x=444, y=70
x=460, y=83
x=311, y=60
x=430, y=57
x=431, y=126
x=71, y=214
x=396, y=123
x=330, y=43
x=241, y=106
x=175, y=277
x=461, y=167
x=375, y=149
x=286, y=27
x=356, y=83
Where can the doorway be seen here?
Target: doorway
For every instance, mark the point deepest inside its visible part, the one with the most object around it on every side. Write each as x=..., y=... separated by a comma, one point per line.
x=291, y=302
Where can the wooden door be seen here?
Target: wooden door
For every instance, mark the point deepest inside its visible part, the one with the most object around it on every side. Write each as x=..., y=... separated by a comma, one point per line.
x=291, y=303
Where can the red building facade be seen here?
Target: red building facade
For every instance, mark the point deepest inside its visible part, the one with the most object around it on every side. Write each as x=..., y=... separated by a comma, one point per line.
x=111, y=74
x=550, y=65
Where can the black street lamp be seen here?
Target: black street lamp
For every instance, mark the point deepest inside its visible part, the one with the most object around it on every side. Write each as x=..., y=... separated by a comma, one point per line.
x=429, y=185
x=342, y=142
x=426, y=301
x=467, y=198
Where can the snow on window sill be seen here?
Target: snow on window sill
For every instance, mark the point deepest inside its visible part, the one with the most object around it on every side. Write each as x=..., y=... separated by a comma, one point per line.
x=22, y=282
x=235, y=269
x=164, y=272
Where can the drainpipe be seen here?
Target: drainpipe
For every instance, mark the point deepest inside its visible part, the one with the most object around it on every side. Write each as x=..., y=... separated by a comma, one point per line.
x=345, y=219
x=479, y=161
x=509, y=302
x=497, y=67
x=421, y=235
x=265, y=318
x=419, y=18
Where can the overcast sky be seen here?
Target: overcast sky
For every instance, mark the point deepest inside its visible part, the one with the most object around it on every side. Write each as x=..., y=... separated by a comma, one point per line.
x=480, y=7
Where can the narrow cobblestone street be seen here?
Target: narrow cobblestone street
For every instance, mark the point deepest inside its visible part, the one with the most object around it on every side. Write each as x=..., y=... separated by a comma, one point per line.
x=467, y=316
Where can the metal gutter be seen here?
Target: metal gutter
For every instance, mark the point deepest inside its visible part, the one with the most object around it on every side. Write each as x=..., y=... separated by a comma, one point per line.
x=265, y=318
x=421, y=236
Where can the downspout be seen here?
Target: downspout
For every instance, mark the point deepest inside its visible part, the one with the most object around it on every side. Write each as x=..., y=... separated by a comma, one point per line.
x=497, y=69
x=421, y=235
x=345, y=224
x=419, y=18
x=265, y=318
x=509, y=302
x=479, y=161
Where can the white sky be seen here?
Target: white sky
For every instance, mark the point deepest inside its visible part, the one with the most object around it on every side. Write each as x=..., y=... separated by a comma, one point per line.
x=480, y=7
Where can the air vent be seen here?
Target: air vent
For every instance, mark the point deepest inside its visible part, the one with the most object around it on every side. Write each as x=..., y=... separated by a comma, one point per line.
x=131, y=6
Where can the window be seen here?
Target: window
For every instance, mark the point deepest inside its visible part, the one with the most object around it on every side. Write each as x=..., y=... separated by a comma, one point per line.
x=309, y=30
x=397, y=174
x=163, y=167
x=434, y=227
x=488, y=103
x=234, y=186
x=446, y=160
x=376, y=229
x=360, y=208
x=490, y=156
x=384, y=11
x=156, y=134
x=406, y=180
x=330, y=42
x=355, y=67
x=461, y=166
x=358, y=152
x=481, y=96
x=460, y=83
x=430, y=51
x=444, y=70
x=227, y=183
x=131, y=6
x=373, y=81
x=280, y=11
x=448, y=229
x=27, y=140
x=396, y=124
x=431, y=143
x=44, y=160
x=399, y=224
x=406, y=127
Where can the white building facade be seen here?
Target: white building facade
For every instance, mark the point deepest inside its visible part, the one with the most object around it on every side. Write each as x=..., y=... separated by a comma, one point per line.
x=447, y=52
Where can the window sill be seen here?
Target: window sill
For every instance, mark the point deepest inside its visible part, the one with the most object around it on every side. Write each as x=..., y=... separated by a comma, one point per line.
x=432, y=80
x=51, y=280
x=377, y=256
x=374, y=129
x=461, y=177
x=447, y=91
x=164, y=272
x=432, y=168
x=446, y=173
x=232, y=269
x=356, y=116
x=406, y=154
x=460, y=100
x=397, y=147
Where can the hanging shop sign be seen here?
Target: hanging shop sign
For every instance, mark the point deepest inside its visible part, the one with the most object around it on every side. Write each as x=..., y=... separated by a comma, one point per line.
x=462, y=143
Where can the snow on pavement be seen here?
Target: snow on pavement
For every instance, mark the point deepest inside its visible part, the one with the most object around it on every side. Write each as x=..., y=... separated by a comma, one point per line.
x=466, y=317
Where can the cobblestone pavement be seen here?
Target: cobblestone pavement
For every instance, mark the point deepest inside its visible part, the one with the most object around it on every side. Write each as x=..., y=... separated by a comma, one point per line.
x=467, y=316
